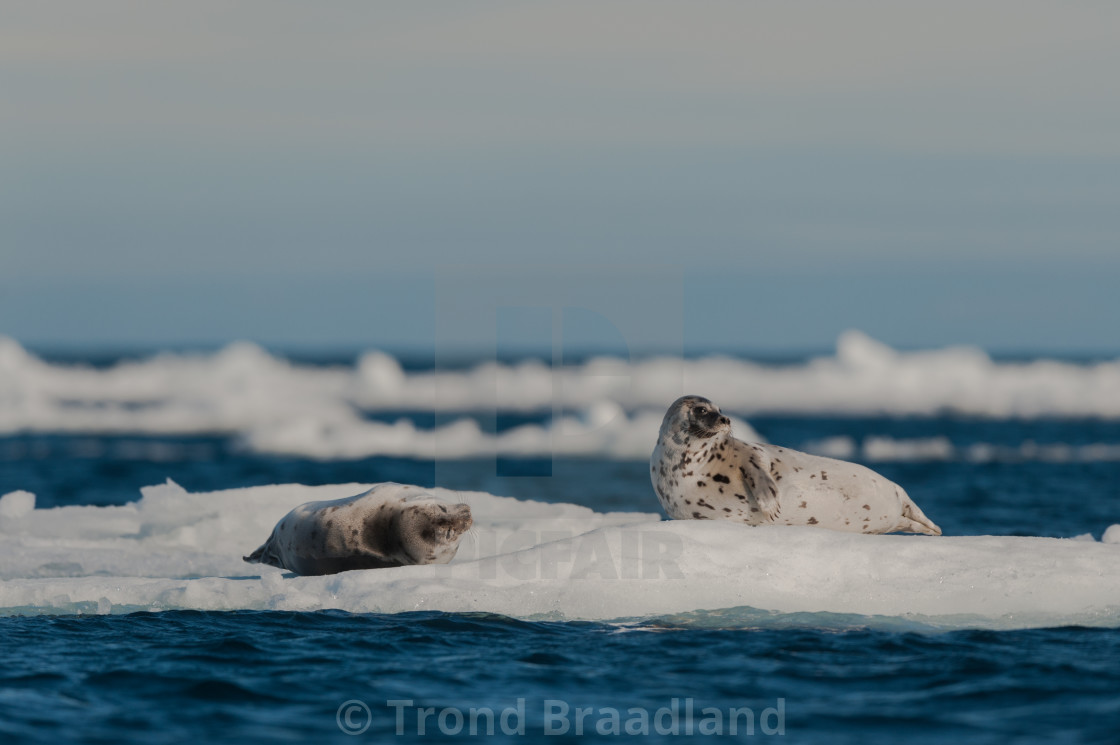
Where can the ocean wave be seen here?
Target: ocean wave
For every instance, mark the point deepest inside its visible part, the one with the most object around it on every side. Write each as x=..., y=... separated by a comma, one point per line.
x=174, y=550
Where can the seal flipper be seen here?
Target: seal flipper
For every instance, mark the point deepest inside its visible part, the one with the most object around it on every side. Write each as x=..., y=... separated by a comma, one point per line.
x=918, y=522
x=264, y=556
x=752, y=475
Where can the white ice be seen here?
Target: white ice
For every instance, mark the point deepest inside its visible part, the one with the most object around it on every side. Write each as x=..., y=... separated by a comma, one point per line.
x=172, y=549
x=606, y=407
x=881, y=448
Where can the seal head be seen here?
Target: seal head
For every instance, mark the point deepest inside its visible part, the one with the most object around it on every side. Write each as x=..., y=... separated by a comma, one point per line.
x=429, y=531
x=694, y=417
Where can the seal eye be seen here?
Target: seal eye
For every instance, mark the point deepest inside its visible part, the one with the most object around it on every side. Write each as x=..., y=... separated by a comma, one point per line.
x=701, y=410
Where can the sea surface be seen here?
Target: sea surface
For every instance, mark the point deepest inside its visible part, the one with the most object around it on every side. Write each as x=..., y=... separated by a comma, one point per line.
x=329, y=676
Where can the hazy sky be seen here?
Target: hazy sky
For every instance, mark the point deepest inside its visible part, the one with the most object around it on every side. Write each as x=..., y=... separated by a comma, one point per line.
x=321, y=174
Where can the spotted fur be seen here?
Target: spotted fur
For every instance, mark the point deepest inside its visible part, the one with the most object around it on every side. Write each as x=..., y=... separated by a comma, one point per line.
x=760, y=484
x=388, y=526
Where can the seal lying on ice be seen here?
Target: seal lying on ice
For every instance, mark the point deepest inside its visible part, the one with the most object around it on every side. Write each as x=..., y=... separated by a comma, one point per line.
x=390, y=525
x=701, y=472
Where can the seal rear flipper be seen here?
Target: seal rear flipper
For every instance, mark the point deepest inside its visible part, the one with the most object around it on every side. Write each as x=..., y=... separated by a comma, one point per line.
x=918, y=522
x=263, y=556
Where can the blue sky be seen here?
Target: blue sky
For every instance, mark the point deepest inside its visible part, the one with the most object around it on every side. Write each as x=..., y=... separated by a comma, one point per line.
x=320, y=175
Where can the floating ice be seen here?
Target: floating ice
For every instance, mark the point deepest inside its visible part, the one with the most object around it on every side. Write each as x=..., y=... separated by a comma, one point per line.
x=881, y=448
x=16, y=504
x=607, y=407
x=604, y=431
x=173, y=549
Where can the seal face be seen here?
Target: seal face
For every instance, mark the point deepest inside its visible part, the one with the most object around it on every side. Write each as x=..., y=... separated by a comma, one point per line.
x=390, y=525
x=701, y=472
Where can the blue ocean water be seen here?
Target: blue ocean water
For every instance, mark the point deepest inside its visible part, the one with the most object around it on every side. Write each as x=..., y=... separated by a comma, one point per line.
x=185, y=676
x=253, y=676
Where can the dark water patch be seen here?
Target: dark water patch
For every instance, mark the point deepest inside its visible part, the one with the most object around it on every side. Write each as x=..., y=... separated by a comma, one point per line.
x=280, y=678
x=489, y=422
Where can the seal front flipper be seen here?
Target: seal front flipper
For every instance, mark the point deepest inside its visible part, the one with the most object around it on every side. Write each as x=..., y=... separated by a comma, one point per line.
x=752, y=478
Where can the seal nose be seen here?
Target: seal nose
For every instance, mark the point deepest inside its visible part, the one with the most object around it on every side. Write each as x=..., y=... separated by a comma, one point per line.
x=463, y=518
x=724, y=420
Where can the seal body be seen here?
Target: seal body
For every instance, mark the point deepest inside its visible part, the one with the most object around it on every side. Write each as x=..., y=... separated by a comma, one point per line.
x=701, y=472
x=388, y=526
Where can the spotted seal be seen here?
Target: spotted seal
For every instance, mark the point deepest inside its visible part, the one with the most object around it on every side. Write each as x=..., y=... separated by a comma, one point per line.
x=701, y=472
x=390, y=525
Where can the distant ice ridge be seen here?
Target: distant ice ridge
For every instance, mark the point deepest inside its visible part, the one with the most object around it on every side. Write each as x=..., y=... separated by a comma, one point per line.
x=604, y=430
x=608, y=407
x=883, y=448
x=172, y=549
